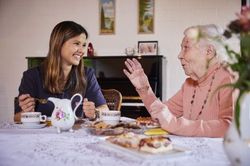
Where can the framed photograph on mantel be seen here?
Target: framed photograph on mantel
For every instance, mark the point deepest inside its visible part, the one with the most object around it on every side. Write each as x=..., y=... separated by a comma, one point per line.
x=148, y=47
x=107, y=16
x=146, y=16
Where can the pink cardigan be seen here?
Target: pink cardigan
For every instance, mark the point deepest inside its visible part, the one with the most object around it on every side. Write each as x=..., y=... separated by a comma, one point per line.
x=178, y=116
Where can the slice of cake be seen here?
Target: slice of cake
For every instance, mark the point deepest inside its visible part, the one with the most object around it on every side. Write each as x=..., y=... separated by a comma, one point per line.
x=127, y=140
x=157, y=144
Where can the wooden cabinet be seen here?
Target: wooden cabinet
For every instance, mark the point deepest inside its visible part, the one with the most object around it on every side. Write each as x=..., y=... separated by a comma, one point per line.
x=109, y=73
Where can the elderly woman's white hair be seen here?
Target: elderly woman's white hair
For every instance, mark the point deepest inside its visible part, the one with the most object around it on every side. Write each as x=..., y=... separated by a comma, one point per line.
x=210, y=33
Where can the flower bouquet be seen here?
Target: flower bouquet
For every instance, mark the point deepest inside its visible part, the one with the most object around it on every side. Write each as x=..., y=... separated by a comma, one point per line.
x=240, y=63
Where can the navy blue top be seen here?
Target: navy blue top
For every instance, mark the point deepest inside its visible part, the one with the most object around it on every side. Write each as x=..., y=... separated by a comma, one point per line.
x=32, y=84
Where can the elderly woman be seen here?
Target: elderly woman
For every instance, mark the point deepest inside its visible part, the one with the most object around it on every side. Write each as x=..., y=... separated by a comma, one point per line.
x=199, y=108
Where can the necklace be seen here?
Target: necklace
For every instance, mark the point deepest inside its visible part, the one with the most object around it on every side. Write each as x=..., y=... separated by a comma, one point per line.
x=205, y=100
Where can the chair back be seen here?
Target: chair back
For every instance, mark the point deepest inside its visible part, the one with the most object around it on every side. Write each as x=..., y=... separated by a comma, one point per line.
x=113, y=98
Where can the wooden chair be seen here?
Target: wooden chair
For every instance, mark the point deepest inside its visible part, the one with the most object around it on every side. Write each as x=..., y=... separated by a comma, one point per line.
x=113, y=98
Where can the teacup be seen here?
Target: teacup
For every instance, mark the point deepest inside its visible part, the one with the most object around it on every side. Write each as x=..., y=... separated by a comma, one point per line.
x=32, y=118
x=111, y=117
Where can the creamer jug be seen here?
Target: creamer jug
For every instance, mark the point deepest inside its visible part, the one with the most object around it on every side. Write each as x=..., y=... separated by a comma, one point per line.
x=63, y=117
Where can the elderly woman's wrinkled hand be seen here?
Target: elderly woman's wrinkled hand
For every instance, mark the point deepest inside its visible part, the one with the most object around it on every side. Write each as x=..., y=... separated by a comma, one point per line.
x=136, y=74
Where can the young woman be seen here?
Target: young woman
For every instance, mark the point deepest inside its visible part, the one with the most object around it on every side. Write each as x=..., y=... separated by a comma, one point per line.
x=197, y=109
x=61, y=75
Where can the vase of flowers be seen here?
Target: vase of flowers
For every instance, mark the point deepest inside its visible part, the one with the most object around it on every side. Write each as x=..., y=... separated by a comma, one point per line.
x=237, y=139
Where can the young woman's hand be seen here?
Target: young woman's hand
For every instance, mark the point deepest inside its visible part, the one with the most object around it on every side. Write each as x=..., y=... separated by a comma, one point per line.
x=136, y=74
x=26, y=103
x=89, y=108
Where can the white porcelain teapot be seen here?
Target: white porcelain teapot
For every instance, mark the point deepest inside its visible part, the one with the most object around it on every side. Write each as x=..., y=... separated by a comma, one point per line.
x=63, y=117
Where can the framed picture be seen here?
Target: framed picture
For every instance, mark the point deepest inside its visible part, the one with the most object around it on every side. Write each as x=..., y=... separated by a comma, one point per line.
x=107, y=16
x=148, y=47
x=146, y=16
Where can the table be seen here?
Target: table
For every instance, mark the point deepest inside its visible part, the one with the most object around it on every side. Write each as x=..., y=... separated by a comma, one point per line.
x=44, y=147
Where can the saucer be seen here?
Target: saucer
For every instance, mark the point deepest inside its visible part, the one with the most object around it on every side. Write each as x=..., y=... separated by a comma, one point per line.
x=32, y=126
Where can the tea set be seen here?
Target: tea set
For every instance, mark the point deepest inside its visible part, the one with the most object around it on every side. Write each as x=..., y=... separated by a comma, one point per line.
x=64, y=116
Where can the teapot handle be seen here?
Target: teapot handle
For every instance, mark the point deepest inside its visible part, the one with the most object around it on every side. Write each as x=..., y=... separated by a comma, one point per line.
x=78, y=104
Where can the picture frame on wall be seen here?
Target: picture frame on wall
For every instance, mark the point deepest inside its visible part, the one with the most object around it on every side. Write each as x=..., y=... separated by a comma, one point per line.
x=146, y=16
x=107, y=16
x=148, y=47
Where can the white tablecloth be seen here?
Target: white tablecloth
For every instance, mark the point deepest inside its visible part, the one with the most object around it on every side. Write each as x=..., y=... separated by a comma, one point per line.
x=44, y=147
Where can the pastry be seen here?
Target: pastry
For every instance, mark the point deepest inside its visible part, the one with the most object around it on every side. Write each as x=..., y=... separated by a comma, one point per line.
x=142, y=143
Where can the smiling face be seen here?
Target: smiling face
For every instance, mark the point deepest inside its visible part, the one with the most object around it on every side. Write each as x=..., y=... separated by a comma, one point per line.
x=73, y=50
x=193, y=58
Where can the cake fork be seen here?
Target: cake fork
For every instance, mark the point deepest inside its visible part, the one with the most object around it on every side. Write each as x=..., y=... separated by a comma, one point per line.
x=41, y=101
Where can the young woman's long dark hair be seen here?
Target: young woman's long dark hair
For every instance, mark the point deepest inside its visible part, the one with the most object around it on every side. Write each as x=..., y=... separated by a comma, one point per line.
x=52, y=66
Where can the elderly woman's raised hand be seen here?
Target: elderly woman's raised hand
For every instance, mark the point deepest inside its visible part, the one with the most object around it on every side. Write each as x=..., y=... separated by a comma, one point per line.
x=136, y=74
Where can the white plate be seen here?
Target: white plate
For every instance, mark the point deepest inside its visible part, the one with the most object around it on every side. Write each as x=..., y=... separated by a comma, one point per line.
x=176, y=152
x=33, y=126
